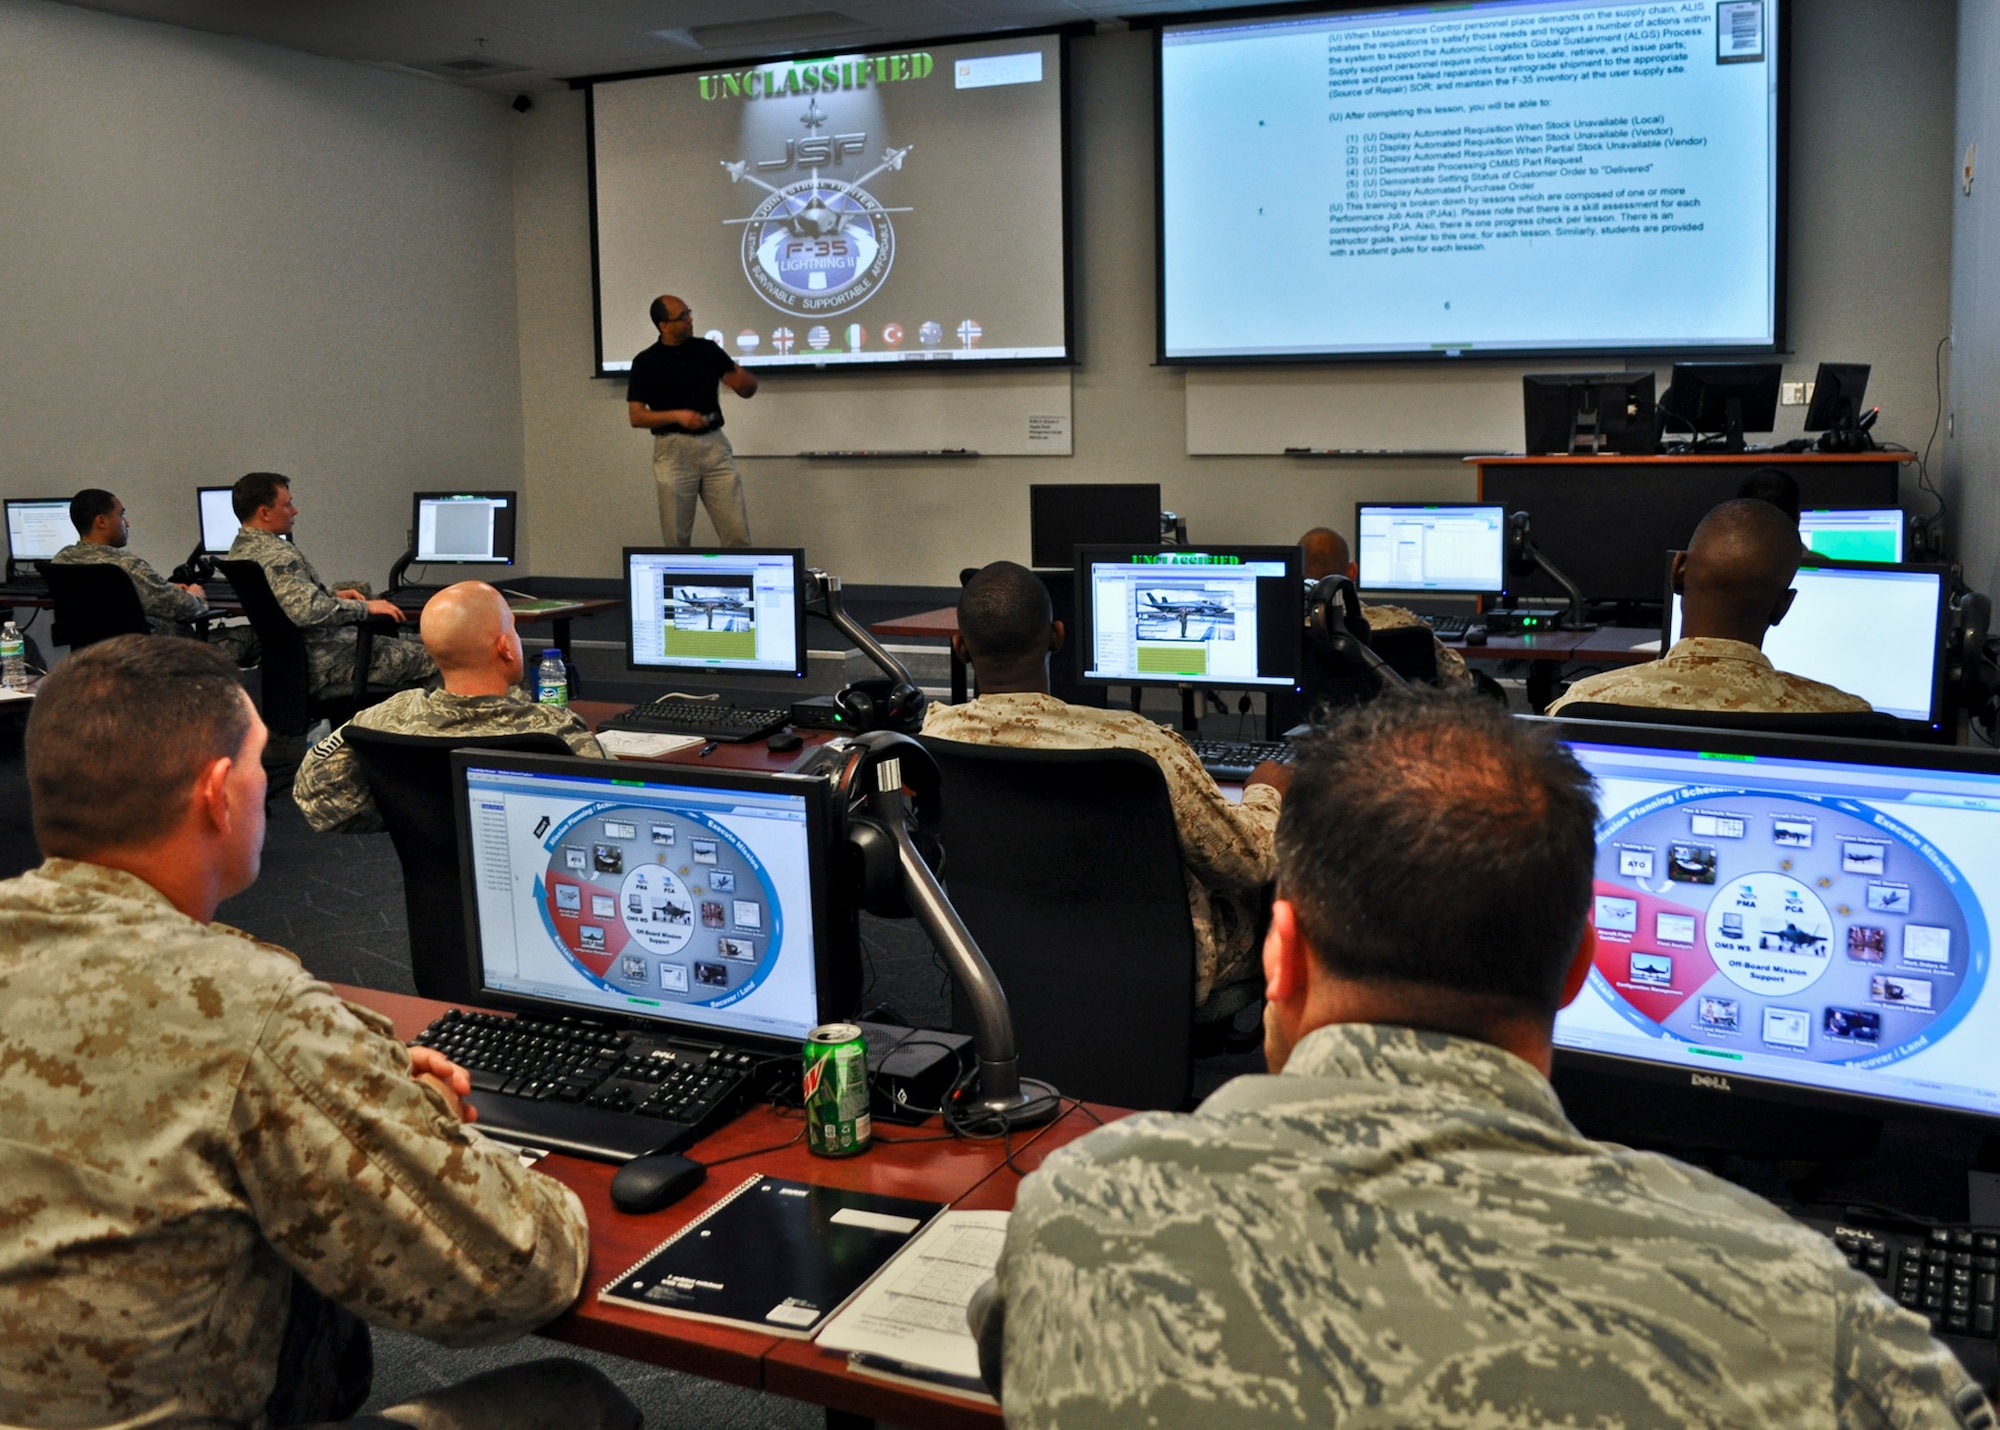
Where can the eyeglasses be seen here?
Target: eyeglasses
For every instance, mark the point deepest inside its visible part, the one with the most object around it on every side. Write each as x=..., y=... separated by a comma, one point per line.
x=680, y=317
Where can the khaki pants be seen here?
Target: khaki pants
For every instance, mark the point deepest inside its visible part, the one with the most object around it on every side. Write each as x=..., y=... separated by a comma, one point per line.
x=688, y=468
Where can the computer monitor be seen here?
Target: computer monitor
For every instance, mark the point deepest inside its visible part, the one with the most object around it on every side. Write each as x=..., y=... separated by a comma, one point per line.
x=37, y=528
x=1228, y=616
x=1875, y=534
x=737, y=610
x=1836, y=398
x=1792, y=917
x=464, y=528
x=1062, y=518
x=665, y=894
x=1568, y=412
x=1723, y=399
x=1874, y=630
x=218, y=519
x=1418, y=547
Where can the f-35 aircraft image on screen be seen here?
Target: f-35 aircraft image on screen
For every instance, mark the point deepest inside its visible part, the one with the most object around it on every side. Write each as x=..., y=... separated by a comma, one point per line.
x=1155, y=609
x=734, y=609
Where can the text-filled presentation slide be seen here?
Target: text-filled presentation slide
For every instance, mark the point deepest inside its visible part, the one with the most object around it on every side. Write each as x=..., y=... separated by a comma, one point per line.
x=1515, y=176
x=853, y=209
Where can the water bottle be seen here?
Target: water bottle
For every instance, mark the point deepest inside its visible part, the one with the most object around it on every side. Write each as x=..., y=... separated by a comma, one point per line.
x=13, y=658
x=552, y=679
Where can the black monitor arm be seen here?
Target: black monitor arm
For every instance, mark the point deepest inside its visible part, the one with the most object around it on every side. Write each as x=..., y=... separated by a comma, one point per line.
x=1523, y=556
x=824, y=589
x=1333, y=610
x=396, y=572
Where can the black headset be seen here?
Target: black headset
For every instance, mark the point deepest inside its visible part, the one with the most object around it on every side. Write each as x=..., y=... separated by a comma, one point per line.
x=887, y=777
x=883, y=704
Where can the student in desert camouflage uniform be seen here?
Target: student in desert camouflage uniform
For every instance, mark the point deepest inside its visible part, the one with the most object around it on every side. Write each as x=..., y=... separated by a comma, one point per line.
x=1735, y=583
x=1005, y=633
x=470, y=633
x=263, y=503
x=1399, y=1227
x=103, y=530
x=195, y=1133
x=1326, y=554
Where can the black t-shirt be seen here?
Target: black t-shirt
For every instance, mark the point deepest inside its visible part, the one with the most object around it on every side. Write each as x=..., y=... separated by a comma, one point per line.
x=685, y=375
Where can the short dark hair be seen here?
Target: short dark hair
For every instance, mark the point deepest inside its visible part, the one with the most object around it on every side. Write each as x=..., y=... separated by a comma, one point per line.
x=117, y=736
x=1776, y=486
x=1004, y=612
x=658, y=310
x=1433, y=839
x=254, y=491
x=87, y=506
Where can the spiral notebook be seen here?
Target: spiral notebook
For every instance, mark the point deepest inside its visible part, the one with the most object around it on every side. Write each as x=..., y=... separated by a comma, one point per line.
x=773, y=1255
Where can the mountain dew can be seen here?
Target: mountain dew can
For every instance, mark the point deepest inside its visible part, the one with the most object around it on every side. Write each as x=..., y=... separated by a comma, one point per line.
x=836, y=1088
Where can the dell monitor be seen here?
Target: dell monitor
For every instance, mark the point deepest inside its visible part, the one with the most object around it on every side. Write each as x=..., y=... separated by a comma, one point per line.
x=217, y=512
x=1791, y=917
x=1062, y=518
x=1589, y=412
x=1455, y=548
x=1870, y=535
x=1724, y=400
x=37, y=528
x=1227, y=616
x=679, y=898
x=1836, y=397
x=736, y=610
x=464, y=528
x=1876, y=631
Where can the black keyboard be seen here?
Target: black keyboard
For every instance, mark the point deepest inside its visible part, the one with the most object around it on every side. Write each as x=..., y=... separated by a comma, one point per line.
x=1450, y=628
x=1234, y=759
x=710, y=719
x=1949, y=1275
x=587, y=1088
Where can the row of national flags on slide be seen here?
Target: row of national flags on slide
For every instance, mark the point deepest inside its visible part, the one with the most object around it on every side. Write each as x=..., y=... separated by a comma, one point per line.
x=818, y=338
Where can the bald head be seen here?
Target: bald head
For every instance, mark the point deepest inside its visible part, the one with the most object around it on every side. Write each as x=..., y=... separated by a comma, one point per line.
x=1326, y=553
x=672, y=317
x=1004, y=628
x=1735, y=577
x=469, y=632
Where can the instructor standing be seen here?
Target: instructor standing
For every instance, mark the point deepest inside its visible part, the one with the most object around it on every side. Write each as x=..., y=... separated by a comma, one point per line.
x=673, y=392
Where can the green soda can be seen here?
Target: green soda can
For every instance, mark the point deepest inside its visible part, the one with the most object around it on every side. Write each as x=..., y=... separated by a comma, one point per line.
x=836, y=1087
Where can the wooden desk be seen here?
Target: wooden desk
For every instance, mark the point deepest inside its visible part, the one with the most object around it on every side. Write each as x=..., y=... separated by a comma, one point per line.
x=971, y=1174
x=559, y=613
x=727, y=755
x=943, y=622
x=1548, y=651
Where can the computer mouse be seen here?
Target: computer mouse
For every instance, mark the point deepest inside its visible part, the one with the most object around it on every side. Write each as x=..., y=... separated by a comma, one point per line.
x=784, y=740
x=646, y=1184
x=1475, y=635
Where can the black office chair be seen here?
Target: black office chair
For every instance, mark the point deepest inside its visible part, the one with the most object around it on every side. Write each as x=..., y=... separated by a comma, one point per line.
x=1066, y=867
x=410, y=778
x=1842, y=724
x=92, y=603
x=288, y=706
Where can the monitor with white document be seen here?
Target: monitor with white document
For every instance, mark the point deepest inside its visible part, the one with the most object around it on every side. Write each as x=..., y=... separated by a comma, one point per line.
x=37, y=528
x=219, y=525
x=464, y=528
x=1876, y=630
x=1871, y=535
x=1221, y=616
x=1792, y=918
x=1455, y=548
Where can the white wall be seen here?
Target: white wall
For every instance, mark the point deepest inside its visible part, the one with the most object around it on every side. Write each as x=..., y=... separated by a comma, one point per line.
x=220, y=256
x=1972, y=455
x=1871, y=243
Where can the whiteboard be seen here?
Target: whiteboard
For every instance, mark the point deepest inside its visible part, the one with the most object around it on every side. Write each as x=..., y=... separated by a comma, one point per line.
x=1020, y=413
x=1397, y=408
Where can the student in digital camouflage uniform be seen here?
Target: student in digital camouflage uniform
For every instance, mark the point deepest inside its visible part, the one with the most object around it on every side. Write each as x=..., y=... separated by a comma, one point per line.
x=1398, y=1227
x=195, y=1134
x=1005, y=632
x=263, y=503
x=470, y=633
x=103, y=532
x=1735, y=583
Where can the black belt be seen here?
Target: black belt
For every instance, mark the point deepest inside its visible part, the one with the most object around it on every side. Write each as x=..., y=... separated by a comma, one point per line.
x=683, y=432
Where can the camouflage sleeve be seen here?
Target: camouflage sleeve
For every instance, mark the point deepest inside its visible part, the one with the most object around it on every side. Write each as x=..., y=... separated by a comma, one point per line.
x=372, y=1191
x=1891, y=1374
x=332, y=792
x=579, y=739
x=307, y=603
x=161, y=599
x=1227, y=846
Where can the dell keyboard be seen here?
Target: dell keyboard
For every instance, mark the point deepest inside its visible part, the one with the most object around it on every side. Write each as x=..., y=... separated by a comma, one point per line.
x=1449, y=628
x=710, y=719
x=1235, y=759
x=591, y=1089
x=1948, y=1275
